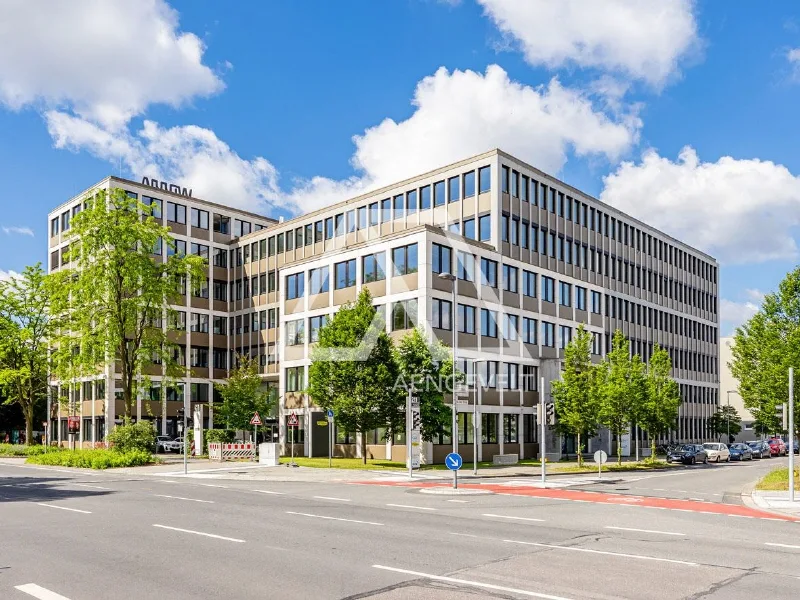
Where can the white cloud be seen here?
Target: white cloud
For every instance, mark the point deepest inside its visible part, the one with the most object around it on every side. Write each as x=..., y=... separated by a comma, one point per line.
x=106, y=60
x=641, y=39
x=18, y=230
x=793, y=56
x=7, y=275
x=741, y=211
x=456, y=115
x=754, y=295
x=734, y=314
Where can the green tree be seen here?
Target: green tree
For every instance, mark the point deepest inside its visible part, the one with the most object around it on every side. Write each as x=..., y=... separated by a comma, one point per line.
x=576, y=395
x=662, y=399
x=242, y=396
x=616, y=402
x=764, y=349
x=425, y=367
x=26, y=328
x=725, y=420
x=353, y=371
x=117, y=296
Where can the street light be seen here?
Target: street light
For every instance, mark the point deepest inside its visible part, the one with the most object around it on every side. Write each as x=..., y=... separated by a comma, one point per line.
x=454, y=328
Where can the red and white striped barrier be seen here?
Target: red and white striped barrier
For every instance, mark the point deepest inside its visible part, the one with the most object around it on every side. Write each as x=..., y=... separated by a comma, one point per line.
x=219, y=451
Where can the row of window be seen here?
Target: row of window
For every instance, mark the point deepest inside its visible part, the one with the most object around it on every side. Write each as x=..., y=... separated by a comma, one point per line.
x=685, y=360
x=527, y=189
x=638, y=314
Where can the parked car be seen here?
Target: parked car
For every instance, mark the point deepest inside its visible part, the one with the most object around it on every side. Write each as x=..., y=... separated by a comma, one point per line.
x=740, y=451
x=176, y=445
x=760, y=449
x=777, y=447
x=688, y=454
x=163, y=443
x=717, y=452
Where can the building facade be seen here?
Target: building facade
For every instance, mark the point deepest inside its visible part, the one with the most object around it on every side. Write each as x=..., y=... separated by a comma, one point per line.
x=527, y=259
x=729, y=392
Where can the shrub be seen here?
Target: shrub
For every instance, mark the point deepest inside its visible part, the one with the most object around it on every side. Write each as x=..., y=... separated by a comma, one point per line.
x=92, y=459
x=224, y=436
x=20, y=450
x=133, y=436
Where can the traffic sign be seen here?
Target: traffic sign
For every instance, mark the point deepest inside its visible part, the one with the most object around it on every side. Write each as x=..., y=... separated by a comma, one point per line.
x=330, y=413
x=256, y=420
x=453, y=461
x=292, y=420
x=600, y=457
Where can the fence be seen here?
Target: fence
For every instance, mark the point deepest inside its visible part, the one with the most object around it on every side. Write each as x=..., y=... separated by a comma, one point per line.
x=220, y=451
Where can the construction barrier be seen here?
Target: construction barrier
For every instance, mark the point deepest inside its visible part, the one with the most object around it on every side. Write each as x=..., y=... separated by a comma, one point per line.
x=219, y=451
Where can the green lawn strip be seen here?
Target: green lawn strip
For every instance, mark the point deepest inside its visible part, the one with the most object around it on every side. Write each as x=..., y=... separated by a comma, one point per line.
x=93, y=459
x=778, y=480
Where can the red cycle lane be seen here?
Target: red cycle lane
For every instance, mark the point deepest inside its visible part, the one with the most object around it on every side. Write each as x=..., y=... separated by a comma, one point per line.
x=731, y=510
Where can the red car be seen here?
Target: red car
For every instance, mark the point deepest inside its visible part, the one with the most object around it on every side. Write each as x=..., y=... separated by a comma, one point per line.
x=777, y=447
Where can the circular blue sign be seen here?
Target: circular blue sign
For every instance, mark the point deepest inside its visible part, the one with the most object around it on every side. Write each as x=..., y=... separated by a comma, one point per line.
x=453, y=461
x=330, y=413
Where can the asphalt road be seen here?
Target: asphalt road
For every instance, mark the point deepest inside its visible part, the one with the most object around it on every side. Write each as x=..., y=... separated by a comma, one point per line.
x=80, y=536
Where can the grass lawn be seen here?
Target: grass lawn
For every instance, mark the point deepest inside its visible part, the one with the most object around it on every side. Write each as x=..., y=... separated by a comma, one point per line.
x=778, y=480
x=343, y=463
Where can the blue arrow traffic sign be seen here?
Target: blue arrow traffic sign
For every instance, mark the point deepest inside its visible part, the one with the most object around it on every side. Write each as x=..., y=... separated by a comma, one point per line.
x=330, y=413
x=453, y=461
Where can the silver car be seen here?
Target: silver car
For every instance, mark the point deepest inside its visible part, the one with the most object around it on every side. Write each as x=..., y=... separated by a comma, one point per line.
x=717, y=452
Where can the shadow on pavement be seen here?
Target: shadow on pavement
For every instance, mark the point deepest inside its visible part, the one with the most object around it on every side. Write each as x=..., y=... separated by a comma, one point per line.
x=44, y=489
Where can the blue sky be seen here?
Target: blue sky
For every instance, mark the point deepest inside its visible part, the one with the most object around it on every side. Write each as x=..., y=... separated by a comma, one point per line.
x=682, y=113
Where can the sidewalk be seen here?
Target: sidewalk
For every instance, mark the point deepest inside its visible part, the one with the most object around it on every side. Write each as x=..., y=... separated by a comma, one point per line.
x=777, y=502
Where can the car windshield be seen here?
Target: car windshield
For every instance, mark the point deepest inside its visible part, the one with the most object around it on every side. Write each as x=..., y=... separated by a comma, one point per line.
x=710, y=446
x=687, y=448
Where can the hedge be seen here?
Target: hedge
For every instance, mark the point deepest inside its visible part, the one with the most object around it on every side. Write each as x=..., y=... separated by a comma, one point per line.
x=20, y=450
x=92, y=459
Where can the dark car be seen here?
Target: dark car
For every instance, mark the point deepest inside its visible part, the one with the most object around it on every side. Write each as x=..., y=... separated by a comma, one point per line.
x=776, y=447
x=759, y=449
x=688, y=454
x=740, y=451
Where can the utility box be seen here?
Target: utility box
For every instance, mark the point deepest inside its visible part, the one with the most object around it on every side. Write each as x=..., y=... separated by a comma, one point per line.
x=269, y=454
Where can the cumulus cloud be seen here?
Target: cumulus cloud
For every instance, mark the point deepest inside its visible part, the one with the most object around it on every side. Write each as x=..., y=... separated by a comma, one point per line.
x=17, y=230
x=739, y=210
x=106, y=60
x=7, y=275
x=793, y=56
x=733, y=314
x=641, y=39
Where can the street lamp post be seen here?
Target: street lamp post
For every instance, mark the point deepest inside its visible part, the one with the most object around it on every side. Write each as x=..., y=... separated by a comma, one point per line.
x=475, y=404
x=728, y=414
x=453, y=326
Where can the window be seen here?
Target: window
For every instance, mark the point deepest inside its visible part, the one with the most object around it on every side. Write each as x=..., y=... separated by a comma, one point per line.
x=220, y=290
x=523, y=188
x=220, y=258
x=271, y=279
x=466, y=318
x=222, y=224
x=488, y=373
x=425, y=197
x=298, y=238
x=469, y=228
x=529, y=284
x=510, y=327
x=309, y=230
x=564, y=336
x=199, y=357
x=510, y=279
x=328, y=229
x=565, y=294
x=528, y=330
x=398, y=207
x=442, y=259
x=484, y=179
x=596, y=302
x=177, y=321
x=514, y=184
x=318, y=231
x=597, y=343
x=404, y=260
x=295, y=286
x=318, y=280
x=199, y=250
x=466, y=266
x=489, y=425
x=279, y=239
x=295, y=380
x=54, y=227
x=438, y=193
x=488, y=323
x=548, y=334
x=411, y=201
x=199, y=323
x=220, y=325
x=199, y=218
x=200, y=288
x=372, y=214
x=295, y=332
x=485, y=228
x=314, y=325
x=504, y=175
x=504, y=227
x=404, y=315
x=510, y=426
x=489, y=272
x=469, y=184
x=176, y=213
x=272, y=318
x=156, y=205
x=454, y=189
x=523, y=234
x=345, y=274
x=580, y=298
x=373, y=267
x=289, y=240
x=548, y=289
x=386, y=210
x=440, y=313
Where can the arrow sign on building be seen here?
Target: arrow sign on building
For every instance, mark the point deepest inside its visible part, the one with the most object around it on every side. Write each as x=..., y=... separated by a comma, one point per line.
x=256, y=420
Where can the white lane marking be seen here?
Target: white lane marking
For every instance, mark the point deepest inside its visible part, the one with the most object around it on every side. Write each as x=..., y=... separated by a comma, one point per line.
x=38, y=591
x=478, y=584
x=204, y=534
x=182, y=498
x=470, y=535
x=512, y=517
x=332, y=498
x=269, y=492
x=643, y=530
x=588, y=550
x=289, y=512
x=213, y=485
x=96, y=487
x=411, y=506
x=460, y=501
x=86, y=512
x=782, y=545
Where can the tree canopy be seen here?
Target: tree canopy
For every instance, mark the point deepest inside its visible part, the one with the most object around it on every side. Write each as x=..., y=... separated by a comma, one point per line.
x=662, y=398
x=726, y=420
x=242, y=396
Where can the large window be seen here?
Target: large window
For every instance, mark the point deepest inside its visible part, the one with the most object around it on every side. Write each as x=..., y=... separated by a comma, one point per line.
x=529, y=284
x=374, y=267
x=466, y=266
x=466, y=318
x=374, y=214
x=441, y=259
x=485, y=228
x=564, y=335
x=200, y=250
x=314, y=325
x=404, y=260
x=156, y=205
x=199, y=218
x=510, y=279
x=489, y=272
x=580, y=298
x=411, y=202
x=548, y=289
x=528, y=330
x=398, y=207
x=199, y=357
x=295, y=286
x=440, y=313
x=295, y=332
x=295, y=379
x=510, y=327
x=439, y=194
x=222, y=224
x=318, y=280
x=328, y=229
x=510, y=426
x=489, y=424
x=454, y=189
x=469, y=228
x=484, y=179
x=548, y=334
x=469, y=184
x=488, y=323
x=425, y=197
x=176, y=213
x=345, y=274
x=565, y=294
x=596, y=303
x=199, y=323
x=404, y=314
x=386, y=210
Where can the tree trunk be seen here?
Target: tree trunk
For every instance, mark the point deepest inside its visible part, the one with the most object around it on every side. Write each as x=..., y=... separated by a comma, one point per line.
x=28, y=413
x=653, y=448
x=363, y=448
x=619, y=449
x=578, y=450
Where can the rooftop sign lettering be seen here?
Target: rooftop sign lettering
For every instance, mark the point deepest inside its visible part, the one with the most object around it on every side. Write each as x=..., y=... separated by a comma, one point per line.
x=167, y=187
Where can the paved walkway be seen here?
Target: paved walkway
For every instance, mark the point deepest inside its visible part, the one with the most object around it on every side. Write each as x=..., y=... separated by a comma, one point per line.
x=777, y=502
